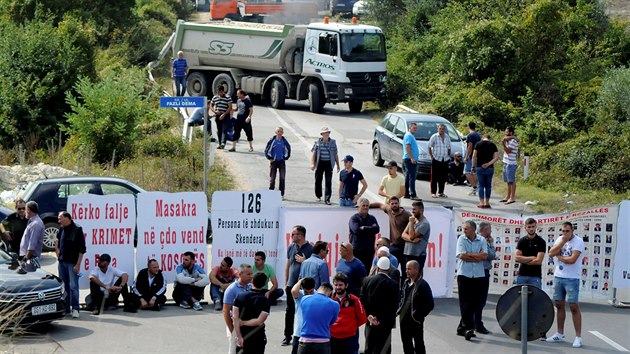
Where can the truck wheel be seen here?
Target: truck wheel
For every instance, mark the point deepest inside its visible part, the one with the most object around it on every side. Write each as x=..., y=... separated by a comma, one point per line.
x=355, y=106
x=226, y=81
x=377, y=159
x=314, y=99
x=278, y=94
x=51, y=229
x=196, y=85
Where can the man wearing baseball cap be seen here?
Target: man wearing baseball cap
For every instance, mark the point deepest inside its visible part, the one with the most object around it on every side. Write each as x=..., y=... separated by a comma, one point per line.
x=349, y=179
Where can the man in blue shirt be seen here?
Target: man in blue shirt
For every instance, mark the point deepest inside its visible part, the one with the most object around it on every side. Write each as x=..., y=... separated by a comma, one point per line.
x=411, y=153
x=277, y=151
x=304, y=286
x=472, y=251
x=319, y=312
x=190, y=281
x=315, y=266
x=351, y=267
x=471, y=140
x=179, y=70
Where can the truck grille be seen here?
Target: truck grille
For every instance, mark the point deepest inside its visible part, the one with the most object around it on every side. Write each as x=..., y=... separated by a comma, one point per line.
x=366, y=79
x=24, y=298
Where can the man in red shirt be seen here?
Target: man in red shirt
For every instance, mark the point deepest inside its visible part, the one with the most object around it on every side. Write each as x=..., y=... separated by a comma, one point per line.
x=221, y=277
x=345, y=332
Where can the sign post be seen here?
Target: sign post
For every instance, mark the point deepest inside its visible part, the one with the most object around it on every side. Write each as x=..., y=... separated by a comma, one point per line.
x=193, y=102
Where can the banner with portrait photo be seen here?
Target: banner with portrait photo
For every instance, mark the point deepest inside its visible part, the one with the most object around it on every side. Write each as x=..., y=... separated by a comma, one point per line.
x=596, y=226
x=170, y=224
x=621, y=274
x=331, y=225
x=108, y=224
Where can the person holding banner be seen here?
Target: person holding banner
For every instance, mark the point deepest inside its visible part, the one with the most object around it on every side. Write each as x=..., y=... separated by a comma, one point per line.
x=298, y=251
x=190, y=280
x=363, y=229
x=472, y=251
x=148, y=290
x=70, y=248
x=323, y=161
x=568, y=250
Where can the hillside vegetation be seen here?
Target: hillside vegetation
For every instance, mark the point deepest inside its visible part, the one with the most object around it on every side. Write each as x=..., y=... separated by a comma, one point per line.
x=556, y=70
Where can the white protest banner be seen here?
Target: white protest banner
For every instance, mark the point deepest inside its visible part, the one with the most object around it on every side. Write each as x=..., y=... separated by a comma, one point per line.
x=596, y=226
x=243, y=223
x=621, y=274
x=331, y=225
x=170, y=224
x=108, y=223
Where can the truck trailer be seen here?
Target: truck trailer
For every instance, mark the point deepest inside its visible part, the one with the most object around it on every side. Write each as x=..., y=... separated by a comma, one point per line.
x=320, y=62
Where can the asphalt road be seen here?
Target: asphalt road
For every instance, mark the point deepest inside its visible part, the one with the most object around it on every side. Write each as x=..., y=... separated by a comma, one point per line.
x=175, y=330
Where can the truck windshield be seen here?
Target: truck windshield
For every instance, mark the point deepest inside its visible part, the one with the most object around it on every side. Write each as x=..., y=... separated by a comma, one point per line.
x=362, y=47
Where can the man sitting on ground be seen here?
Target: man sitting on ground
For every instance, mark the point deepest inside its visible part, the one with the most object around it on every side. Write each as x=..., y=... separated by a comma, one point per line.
x=148, y=291
x=273, y=293
x=221, y=277
x=106, y=285
x=190, y=280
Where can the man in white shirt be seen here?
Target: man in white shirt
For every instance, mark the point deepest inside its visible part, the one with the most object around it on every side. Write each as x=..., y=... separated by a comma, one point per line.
x=106, y=285
x=568, y=250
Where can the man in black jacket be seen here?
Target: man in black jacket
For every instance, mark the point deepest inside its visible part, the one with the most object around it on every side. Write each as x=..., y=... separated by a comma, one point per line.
x=70, y=248
x=147, y=291
x=377, y=294
x=416, y=303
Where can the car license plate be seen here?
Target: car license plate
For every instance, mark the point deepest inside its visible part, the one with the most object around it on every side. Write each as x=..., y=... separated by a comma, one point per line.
x=43, y=309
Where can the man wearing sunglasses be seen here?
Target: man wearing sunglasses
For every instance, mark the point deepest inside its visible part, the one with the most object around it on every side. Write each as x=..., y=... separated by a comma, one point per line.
x=13, y=226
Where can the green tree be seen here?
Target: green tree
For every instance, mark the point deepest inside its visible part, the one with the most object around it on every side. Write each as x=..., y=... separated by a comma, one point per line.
x=104, y=115
x=38, y=64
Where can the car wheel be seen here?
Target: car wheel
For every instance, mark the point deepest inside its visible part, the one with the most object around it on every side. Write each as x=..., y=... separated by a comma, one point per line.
x=377, y=160
x=51, y=230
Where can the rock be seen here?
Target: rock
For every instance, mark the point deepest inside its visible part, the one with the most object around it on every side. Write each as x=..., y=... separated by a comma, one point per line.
x=13, y=178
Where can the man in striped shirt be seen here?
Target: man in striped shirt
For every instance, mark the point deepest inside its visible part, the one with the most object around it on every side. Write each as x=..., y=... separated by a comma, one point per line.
x=440, y=152
x=510, y=151
x=221, y=106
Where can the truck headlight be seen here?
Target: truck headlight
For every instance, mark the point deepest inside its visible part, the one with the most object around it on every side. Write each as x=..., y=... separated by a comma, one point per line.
x=347, y=91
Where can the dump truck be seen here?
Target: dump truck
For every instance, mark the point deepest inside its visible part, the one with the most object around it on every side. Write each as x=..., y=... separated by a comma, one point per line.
x=263, y=10
x=320, y=62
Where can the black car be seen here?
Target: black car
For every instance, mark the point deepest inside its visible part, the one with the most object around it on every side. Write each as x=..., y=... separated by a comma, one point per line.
x=388, y=137
x=28, y=297
x=52, y=195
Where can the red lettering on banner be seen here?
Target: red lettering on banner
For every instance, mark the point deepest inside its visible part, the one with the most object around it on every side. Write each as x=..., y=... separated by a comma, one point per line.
x=112, y=263
x=168, y=237
x=184, y=209
x=112, y=236
x=88, y=212
x=116, y=211
x=194, y=236
x=431, y=253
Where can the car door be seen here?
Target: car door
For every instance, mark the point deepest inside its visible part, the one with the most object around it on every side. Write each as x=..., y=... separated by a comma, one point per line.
x=387, y=140
x=397, y=141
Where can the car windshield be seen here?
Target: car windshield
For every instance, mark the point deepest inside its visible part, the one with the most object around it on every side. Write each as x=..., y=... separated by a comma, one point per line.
x=357, y=47
x=426, y=129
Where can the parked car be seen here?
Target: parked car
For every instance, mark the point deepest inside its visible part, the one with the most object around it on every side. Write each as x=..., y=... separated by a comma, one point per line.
x=388, y=137
x=28, y=297
x=52, y=195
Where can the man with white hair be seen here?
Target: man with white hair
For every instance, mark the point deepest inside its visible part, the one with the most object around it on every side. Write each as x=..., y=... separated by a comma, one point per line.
x=376, y=296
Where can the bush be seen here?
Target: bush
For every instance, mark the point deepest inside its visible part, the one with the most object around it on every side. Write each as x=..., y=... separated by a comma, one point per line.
x=105, y=114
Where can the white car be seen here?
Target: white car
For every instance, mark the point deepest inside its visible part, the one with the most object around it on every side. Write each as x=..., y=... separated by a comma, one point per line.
x=358, y=9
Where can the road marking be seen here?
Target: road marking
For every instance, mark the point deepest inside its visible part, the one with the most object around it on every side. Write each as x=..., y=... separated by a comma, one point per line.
x=284, y=123
x=610, y=342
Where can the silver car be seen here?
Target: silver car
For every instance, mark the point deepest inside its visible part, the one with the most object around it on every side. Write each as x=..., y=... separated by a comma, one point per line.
x=388, y=137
